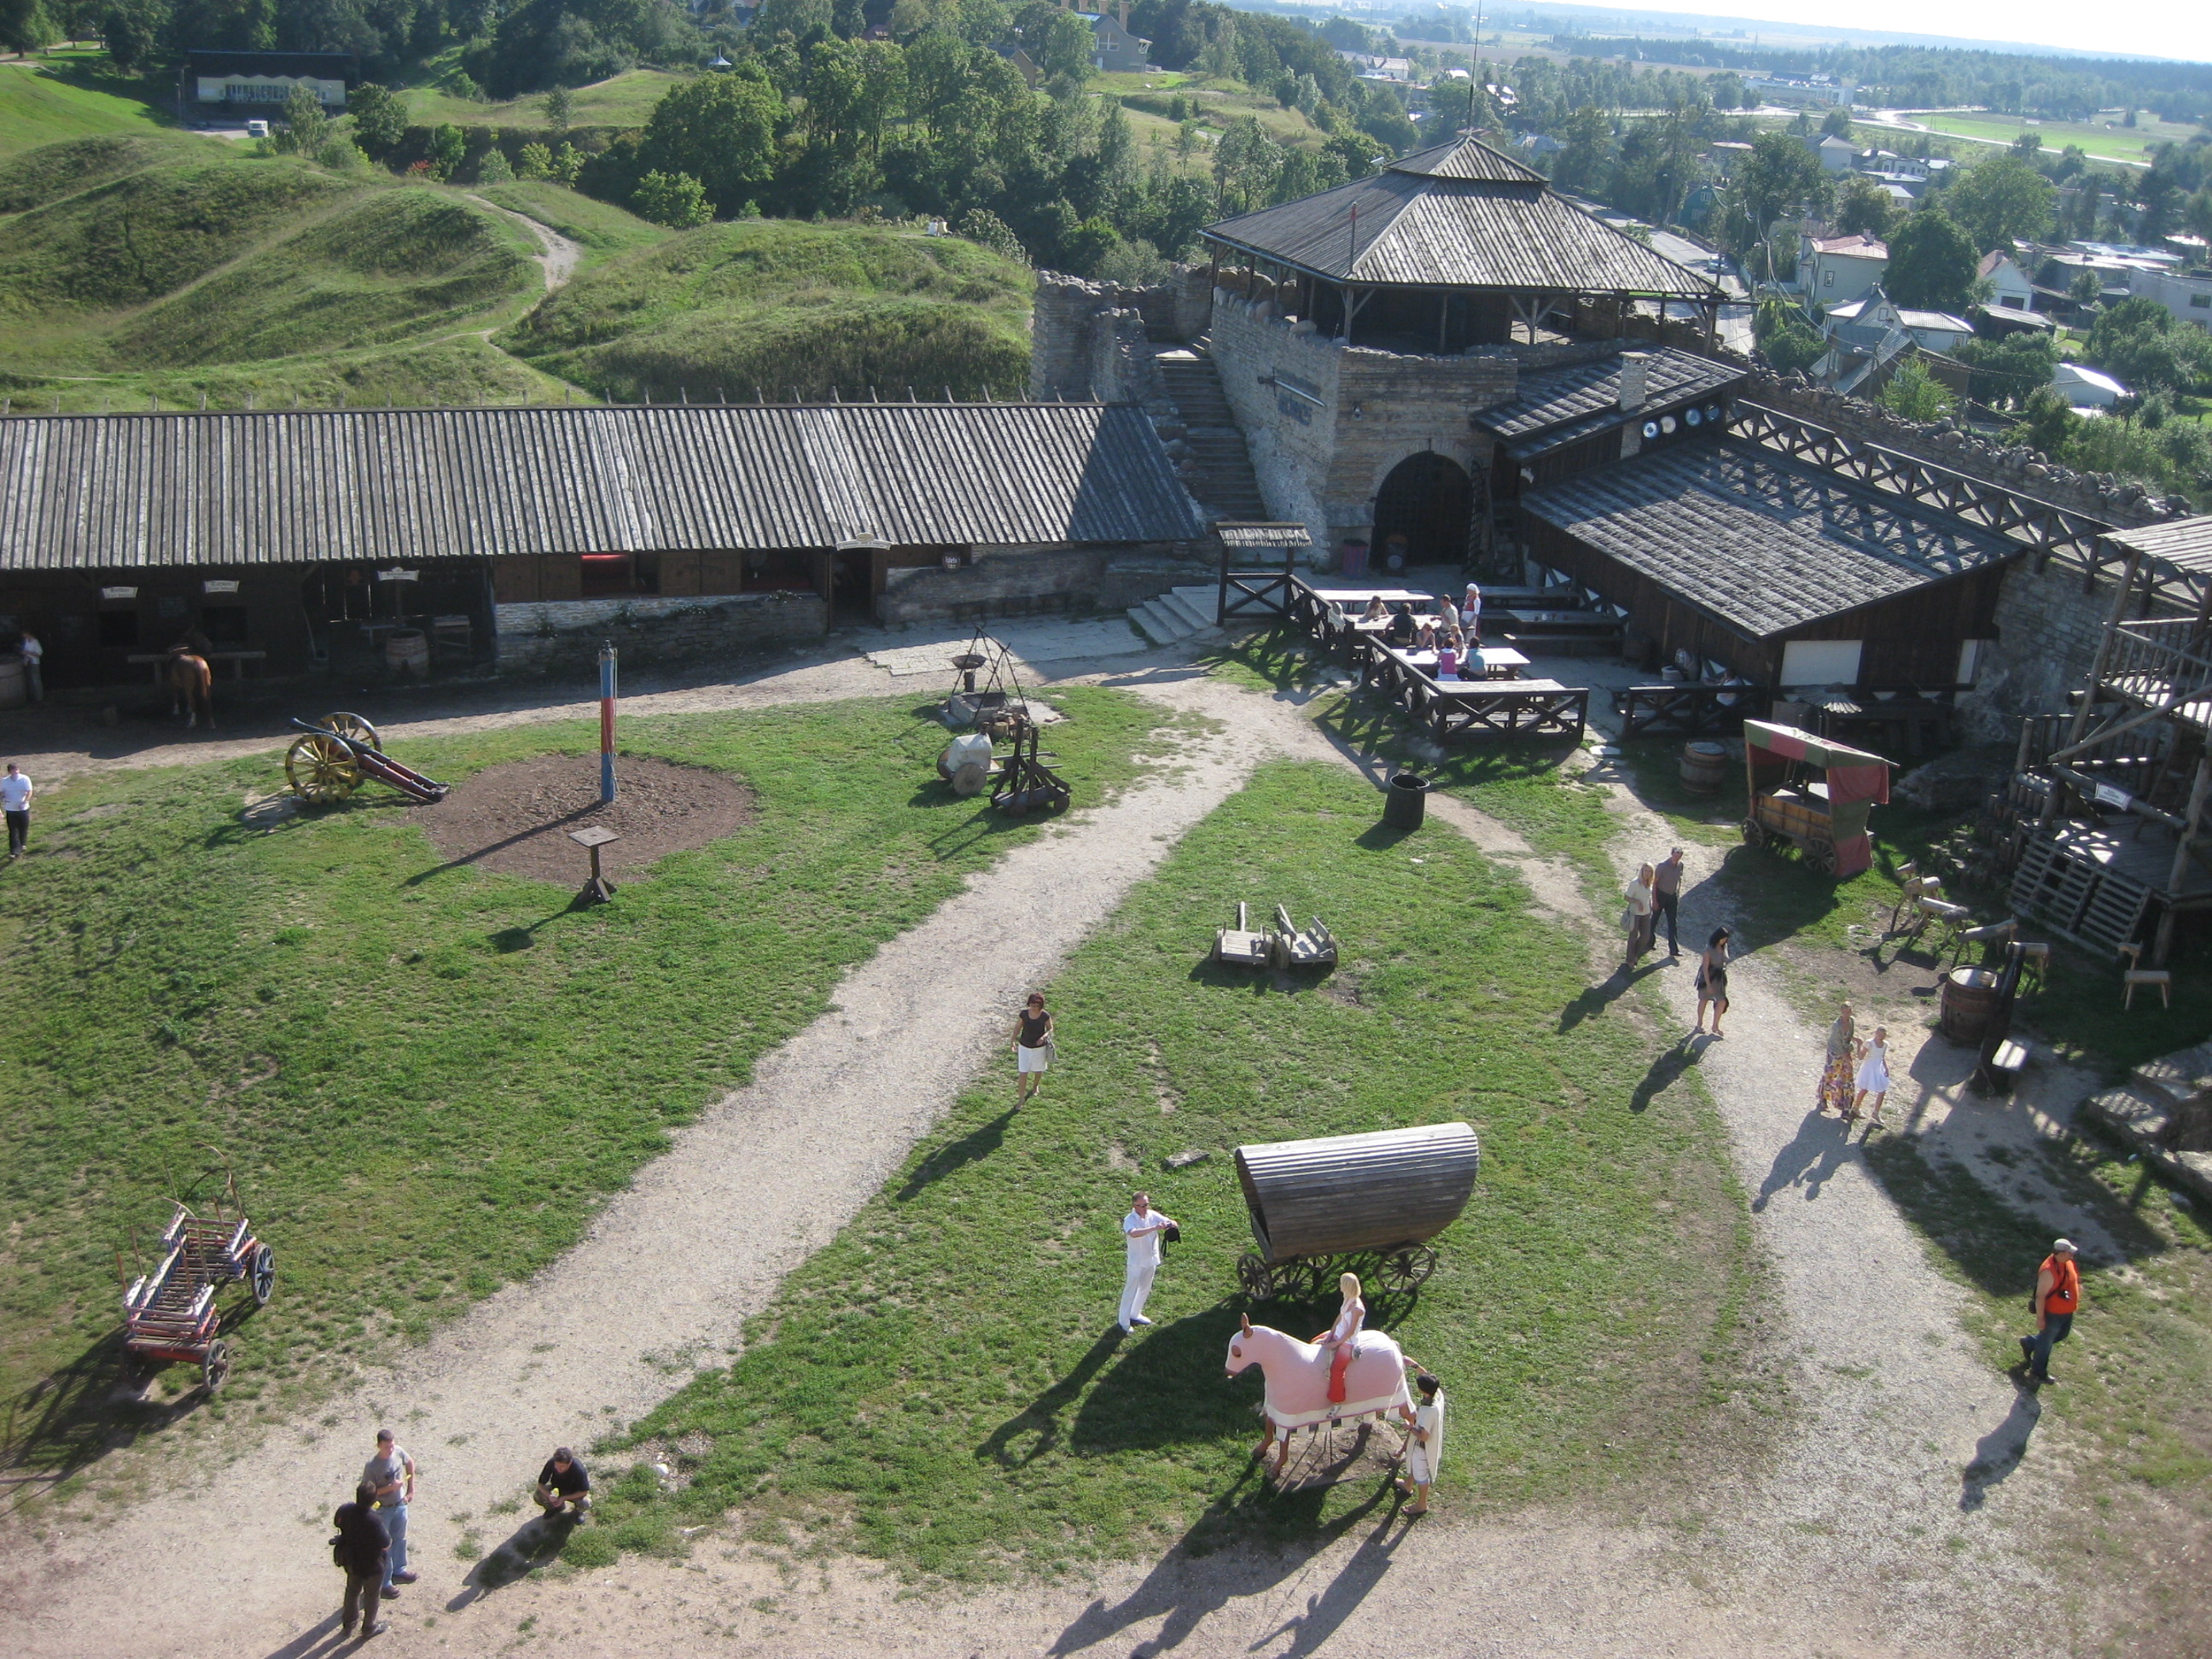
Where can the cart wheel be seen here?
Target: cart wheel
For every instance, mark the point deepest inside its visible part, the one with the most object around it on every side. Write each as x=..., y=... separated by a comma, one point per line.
x=1754, y=835
x=322, y=770
x=1822, y=857
x=215, y=1366
x=263, y=1270
x=1402, y=1270
x=969, y=779
x=352, y=726
x=1253, y=1274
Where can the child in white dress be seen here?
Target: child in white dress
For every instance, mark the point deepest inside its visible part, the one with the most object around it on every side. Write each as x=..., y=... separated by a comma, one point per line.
x=1874, y=1077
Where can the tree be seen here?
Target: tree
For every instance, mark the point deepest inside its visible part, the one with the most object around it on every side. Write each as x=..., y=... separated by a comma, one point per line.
x=24, y=26
x=2000, y=200
x=677, y=200
x=1780, y=172
x=559, y=107
x=1931, y=263
x=2138, y=341
x=306, y=125
x=1246, y=163
x=719, y=129
x=380, y=119
x=1836, y=124
x=447, y=147
x=1864, y=209
x=1915, y=393
x=493, y=168
x=536, y=161
x=985, y=229
x=2011, y=369
x=1783, y=334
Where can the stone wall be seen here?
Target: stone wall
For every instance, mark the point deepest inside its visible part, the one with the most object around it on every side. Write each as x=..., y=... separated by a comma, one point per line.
x=1326, y=423
x=564, y=634
x=1095, y=340
x=2048, y=626
x=1009, y=581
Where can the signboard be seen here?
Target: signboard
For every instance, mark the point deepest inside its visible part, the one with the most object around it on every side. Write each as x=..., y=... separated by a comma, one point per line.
x=2111, y=795
x=119, y=592
x=218, y=587
x=396, y=575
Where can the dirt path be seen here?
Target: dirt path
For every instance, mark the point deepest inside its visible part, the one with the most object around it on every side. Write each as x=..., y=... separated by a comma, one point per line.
x=559, y=257
x=1841, y=1545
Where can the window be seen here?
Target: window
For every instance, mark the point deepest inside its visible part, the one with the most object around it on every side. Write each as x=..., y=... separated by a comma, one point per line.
x=2200, y=301
x=617, y=575
x=1827, y=279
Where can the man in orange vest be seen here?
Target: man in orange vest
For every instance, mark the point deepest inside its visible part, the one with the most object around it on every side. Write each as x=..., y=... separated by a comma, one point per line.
x=2058, y=1294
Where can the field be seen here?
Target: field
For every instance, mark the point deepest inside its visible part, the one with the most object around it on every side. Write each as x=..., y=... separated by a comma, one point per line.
x=169, y=269
x=604, y=230
x=46, y=102
x=2129, y=145
x=942, y=1385
x=624, y=101
x=791, y=309
x=427, y=1075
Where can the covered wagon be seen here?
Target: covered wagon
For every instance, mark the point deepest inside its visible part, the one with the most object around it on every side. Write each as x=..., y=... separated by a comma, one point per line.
x=1367, y=1204
x=1813, y=793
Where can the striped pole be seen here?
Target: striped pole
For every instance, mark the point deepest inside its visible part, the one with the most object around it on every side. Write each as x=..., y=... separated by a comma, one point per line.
x=607, y=723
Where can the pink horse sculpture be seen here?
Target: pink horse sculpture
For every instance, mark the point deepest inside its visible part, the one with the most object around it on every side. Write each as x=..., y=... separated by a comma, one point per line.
x=1296, y=1390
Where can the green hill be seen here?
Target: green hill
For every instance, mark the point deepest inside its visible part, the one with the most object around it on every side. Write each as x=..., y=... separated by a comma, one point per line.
x=40, y=106
x=787, y=309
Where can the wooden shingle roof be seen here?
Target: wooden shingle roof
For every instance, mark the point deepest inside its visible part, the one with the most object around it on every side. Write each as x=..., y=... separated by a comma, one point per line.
x=1459, y=215
x=1562, y=405
x=1759, y=543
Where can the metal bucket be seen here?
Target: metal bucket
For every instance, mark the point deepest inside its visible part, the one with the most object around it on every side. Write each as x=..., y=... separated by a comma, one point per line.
x=1406, y=801
x=1969, y=1004
x=1704, y=766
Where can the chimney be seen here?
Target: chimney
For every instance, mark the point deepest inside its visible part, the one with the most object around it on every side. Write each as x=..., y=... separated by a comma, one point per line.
x=1125, y=14
x=1634, y=376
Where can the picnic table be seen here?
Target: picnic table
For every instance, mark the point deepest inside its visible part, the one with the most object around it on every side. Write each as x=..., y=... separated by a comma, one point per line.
x=1497, y=662
x=1462, y=708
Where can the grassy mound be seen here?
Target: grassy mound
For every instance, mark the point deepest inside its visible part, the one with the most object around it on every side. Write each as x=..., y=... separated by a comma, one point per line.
x=147, y=234
x=790, y=308
x=345, y=1012
x=399, y=262
x=54, y=172
x=600, y=227
x=45, y=104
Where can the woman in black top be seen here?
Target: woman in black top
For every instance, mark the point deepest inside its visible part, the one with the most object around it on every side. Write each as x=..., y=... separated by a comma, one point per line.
x=1033, y=1047
x=1712, y=979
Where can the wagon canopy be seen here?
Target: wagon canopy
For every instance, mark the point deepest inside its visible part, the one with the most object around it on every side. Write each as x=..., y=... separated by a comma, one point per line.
x=1857, y=782
x=1366, y=1191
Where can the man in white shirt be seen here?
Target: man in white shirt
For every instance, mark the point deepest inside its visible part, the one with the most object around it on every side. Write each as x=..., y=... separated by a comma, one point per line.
x=1425, y=1445
x=1141, y=1228
x=16, y=793
x=34, y=659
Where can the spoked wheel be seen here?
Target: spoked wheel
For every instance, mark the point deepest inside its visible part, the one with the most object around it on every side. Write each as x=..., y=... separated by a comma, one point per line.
x=322, y=770
x=1402, y=1270
x=215, y=1366
x=1822, y=857
x=1755, y=834
x=352, y=726
x=1257, y=1278
x=263, y=1271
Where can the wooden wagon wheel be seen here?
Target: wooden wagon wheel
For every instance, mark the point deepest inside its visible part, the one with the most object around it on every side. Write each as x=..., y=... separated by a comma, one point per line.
x=1821, y=855
x=1255, y=1276
x=1755, y=834
x=352, y=726
x=1402, y=1270
x=322, y=769
x=215, y=1366
x=263, y=1271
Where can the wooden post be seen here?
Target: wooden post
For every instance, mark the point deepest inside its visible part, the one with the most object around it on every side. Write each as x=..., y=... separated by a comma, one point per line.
x=2185, y=841
x=2096, y=678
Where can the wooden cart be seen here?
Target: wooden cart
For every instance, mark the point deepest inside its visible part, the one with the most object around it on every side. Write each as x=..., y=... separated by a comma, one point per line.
x=1812, y=793
x=1367, y=1204
x=170, y=1313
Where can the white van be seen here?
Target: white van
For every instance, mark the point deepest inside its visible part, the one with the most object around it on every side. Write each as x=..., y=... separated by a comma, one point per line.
x=257, y=129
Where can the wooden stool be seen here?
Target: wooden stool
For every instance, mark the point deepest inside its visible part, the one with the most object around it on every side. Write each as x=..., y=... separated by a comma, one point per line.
x=2035, y=958
x=1916, y=887
x=2132, y=976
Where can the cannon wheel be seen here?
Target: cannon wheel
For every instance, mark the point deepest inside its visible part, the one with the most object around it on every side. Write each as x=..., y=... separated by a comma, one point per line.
x=322, y=770
x=262, y=1269
x=215, y=1366
x=1754, y=836
x=1255, y=1276
x=352, y=726
x=1404, y=1270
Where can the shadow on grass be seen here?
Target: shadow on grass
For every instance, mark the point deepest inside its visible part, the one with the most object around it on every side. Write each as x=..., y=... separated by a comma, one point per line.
x=1183, y=1588
x=1597, y=998
x=538, y=1542
x=74, y=1417
x=970, y=1148
x=1041, y=1416
x=1668, y=1070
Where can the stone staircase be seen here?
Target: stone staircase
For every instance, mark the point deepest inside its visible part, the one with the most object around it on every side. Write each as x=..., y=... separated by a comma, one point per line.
x=1171, y=617
x=2165, y=1110
x=1203, y=436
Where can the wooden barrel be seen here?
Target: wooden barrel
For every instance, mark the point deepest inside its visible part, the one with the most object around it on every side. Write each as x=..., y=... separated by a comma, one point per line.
x=12, y=692
x=1704, y=766
x=407, y=651
x=1406, y=801
x=1969, y=1002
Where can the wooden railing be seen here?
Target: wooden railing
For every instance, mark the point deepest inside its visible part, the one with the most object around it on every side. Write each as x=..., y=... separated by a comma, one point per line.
x=1256, y=593
x=1455, y=710
x=1688, y=710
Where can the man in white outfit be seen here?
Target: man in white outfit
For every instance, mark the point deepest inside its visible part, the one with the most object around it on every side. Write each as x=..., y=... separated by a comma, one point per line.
x=1141, y=1228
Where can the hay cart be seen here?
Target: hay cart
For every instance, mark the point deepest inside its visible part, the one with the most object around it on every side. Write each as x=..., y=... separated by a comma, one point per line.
x=1812, y=794
x=1367, y=1204
x=170, y=1314
x=328, y=763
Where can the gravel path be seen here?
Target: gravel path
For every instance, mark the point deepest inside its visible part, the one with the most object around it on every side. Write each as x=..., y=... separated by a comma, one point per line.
x=1839, y=1544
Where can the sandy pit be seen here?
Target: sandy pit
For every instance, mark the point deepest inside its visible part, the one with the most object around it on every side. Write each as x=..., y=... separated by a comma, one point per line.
x=516, y=817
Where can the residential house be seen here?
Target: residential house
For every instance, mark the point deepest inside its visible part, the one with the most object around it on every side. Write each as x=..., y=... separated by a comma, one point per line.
x=1837, y=269
x=2009, y=283
x=2087, y=388
x=2187, y=296
x=1867, y=320
x=1799, y=89
x=1727, y=155
x=1369, y=67
x=1116, y=50
x=1835, y=153
x=1024, y=65
x=230, y=86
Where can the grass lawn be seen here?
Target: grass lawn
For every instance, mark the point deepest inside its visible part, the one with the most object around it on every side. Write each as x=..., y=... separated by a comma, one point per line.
x=2129, y=145
x=2129, y=1423
x=624, y=101
x=604, y=230
x=788, y=306
x=942, y=1387
x=44, y=103
x=418, y=1069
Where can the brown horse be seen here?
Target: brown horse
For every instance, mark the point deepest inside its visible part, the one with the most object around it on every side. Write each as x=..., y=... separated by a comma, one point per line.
x=191, y=686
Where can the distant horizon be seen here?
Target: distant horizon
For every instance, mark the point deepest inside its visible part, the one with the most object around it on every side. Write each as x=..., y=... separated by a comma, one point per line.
x=2169, y=33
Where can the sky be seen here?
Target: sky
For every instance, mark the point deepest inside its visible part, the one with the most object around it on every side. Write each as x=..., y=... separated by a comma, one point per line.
x=2157, y=28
